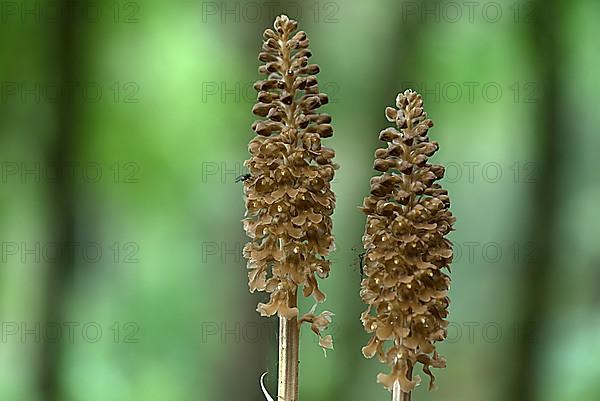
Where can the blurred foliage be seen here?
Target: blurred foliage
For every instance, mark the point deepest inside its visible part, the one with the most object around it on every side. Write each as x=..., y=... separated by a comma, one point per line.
x=189, y=66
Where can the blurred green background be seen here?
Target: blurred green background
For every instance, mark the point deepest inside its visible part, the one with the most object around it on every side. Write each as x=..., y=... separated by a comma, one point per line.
x=124, y=124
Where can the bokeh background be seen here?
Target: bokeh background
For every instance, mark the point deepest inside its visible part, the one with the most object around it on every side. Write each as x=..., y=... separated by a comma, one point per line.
x=123, y=126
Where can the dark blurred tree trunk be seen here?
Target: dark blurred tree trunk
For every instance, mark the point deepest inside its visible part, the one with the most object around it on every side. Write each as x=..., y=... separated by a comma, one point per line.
x=59, y=275
x=535, y=299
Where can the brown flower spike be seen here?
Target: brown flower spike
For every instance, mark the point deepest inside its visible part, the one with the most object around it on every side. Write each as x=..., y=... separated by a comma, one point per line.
x=407, y=219
x=289, y=200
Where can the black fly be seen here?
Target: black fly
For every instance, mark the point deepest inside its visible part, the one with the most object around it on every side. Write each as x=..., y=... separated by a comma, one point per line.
x=361, y=261
x=243, y=177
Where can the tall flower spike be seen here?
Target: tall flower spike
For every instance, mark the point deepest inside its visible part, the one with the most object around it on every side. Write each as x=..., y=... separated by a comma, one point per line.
x=408, y=218
x=289, y=201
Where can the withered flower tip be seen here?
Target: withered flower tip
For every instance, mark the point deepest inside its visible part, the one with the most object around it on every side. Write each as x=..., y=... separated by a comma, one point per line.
x=408, y=218
x=289, y=201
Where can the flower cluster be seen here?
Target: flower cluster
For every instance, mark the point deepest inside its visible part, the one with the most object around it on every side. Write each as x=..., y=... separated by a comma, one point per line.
x=289, y=201
x=408, y=218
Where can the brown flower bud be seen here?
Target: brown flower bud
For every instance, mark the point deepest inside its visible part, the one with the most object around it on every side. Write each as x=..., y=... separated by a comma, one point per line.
x=269, y=34
x=324, y=130
x=389, y=134
x=311, y=81
x=391, y=114
x=264, y=56
x=266, y=128
x=405, y=287
x=266, y=85
x=261, y=109
x=381, y=165
x=311, y=103
x=266, y=97
x=312, y=69
x=299, y=36
x=321, y=118
x=270, y=45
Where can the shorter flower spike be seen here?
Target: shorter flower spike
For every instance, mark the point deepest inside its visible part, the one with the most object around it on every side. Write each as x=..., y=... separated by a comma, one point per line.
x=408, y=218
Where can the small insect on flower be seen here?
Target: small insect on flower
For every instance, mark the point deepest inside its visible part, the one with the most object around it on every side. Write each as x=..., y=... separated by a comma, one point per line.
x=361, y=262
x=243, y=177
x=361, y=259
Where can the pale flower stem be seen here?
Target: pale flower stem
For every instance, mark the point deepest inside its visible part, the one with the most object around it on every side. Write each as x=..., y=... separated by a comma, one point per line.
x=409, y=375
x=397, y=394
x=405, y=396
x=287, y=389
